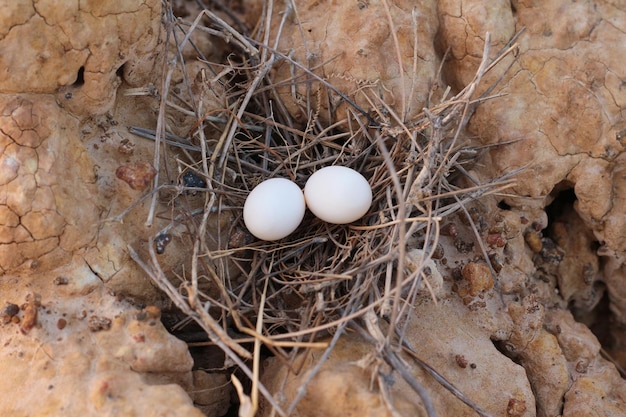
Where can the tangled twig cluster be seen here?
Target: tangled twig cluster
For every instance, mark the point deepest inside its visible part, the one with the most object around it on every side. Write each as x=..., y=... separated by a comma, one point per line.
x=292, y=294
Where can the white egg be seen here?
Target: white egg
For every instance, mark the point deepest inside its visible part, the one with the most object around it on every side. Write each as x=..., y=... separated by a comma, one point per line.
x=274, y=209
x=338, y=194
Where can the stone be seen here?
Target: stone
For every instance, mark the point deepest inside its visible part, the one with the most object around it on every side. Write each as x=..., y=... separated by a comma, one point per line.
x=61, y=112
x=76, y=75
x=133, y=368
x=356, y=48
x=347, y=383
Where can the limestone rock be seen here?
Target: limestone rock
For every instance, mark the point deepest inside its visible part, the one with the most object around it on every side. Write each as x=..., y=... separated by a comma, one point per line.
x=67, y=365
x=63, y=134
x=46, y=186
x=353, y=46
x=596, y=384
x=64, y=64
x=563, y=108
x=547, y=371
x=461, y=350
x=84, y=45
x=463, y=26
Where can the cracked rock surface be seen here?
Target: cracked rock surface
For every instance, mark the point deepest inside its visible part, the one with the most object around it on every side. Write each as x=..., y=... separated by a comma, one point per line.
x=44, y=219
x=56, y=87
x=74, y=341
x=353, y=44
x=530, y=342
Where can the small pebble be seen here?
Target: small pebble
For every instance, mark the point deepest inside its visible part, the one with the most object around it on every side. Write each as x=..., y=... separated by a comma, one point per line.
x=138, y=175
x=97, y=323
x=8, y=312
x=61, y=324
x=192, y=180
x=478, y=276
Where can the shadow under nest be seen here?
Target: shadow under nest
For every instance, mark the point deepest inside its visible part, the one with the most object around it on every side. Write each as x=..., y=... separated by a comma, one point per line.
x=294, y=293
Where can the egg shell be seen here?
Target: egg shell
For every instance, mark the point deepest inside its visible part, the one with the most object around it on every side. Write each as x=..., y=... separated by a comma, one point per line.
x=274, y=209
x=338, y=194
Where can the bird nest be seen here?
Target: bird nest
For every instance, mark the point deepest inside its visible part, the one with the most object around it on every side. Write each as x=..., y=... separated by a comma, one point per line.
x=294, y=293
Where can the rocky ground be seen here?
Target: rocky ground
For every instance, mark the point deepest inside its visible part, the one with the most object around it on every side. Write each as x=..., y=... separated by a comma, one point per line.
x=82, y=332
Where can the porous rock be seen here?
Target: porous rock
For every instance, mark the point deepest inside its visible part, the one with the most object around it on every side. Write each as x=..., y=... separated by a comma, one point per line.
x=45, y=215
x=63, y=65
x=373, y=55
x=461, y=350
x=79, y=46
x=596, y=385
x=65, y=108
x=547, y=371
x=563, y=110
x=131, y=367
x=63, y=134
x=562, y=117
